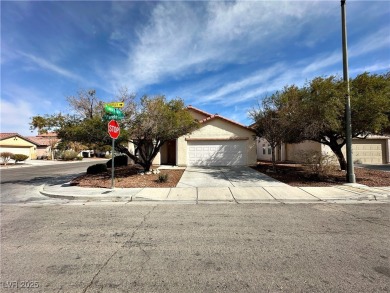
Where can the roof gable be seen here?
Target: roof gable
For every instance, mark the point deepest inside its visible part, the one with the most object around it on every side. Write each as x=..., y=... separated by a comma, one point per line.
x=216, y=116
x=208, y=117
x=7, y=135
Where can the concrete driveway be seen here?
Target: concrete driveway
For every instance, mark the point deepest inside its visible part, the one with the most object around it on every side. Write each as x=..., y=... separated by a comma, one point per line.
x=225, y=177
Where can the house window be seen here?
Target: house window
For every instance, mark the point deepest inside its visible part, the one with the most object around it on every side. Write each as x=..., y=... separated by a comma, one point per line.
x=269, y=150
x=263, y=149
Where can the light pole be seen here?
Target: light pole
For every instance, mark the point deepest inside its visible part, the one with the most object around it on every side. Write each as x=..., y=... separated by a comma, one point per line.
x=348, y=127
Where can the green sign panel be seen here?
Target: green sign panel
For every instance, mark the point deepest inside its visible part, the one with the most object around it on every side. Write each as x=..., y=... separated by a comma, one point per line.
x=112, y=113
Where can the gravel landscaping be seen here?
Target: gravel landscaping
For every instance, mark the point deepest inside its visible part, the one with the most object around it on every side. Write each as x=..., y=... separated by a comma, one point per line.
x=296, y=175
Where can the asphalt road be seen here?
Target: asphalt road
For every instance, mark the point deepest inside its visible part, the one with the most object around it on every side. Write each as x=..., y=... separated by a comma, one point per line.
x=44, y=173
x=22, y=184
x=195, y=248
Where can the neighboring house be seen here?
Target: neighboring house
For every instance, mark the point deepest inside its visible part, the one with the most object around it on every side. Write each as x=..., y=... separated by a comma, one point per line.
x=46, y=143
x=17, y=144
x=371, y=150
x=218, y=142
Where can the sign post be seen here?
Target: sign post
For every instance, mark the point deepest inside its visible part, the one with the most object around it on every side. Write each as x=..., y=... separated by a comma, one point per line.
x=113, y=131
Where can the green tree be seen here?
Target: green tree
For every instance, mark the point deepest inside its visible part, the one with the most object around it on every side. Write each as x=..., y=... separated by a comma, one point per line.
x=316, y=111
x=270, y=124
x=147, y=124
x=155, y=122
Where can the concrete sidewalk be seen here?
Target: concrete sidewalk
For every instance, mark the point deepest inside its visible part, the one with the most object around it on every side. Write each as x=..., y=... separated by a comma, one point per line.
x=348, y=193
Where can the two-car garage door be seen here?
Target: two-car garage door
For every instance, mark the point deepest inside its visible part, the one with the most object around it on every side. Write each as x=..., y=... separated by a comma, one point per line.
x=369, y=151
x=216, y=153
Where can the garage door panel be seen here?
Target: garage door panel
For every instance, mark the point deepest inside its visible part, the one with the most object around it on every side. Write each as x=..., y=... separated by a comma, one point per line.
x=368, y=152
x=217, y=153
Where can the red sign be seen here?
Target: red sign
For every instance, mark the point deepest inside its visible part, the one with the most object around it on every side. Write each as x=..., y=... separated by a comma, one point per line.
x=113, y=129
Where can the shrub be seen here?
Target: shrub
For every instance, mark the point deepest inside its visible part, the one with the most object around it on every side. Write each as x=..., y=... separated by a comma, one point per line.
x=69, y=155
x=5, y=157
x=79, y=158
x=317, y=163
x=19, y=158
x=119, y=161
x=96, y=169
x=162, y=178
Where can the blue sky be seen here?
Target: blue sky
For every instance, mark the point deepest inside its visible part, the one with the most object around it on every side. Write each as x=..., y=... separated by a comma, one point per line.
x=221, y=57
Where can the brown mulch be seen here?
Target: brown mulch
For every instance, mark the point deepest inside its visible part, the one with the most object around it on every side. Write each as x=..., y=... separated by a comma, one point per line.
x=292, y=174
x=128, y=177
x=296, y=175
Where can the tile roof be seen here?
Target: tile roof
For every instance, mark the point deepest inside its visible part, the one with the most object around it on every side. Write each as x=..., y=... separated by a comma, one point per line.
x=44, y=141
x=49, y=134
x=216, y=116
x=5, y=135
x=199, y=111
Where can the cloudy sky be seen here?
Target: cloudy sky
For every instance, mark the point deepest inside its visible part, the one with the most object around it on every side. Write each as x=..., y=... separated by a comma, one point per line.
x=219, y=56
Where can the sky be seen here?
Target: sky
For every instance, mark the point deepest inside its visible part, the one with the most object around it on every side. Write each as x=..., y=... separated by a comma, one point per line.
x=219, y=56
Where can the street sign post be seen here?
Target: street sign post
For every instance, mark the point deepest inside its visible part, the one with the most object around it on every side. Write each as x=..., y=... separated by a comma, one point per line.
x=114, y=131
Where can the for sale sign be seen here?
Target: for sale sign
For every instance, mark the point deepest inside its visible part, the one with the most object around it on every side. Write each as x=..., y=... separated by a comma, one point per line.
x=113, y=129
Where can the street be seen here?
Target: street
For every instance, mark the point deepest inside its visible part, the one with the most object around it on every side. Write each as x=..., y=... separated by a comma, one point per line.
x=58, y=245
x=22, y=184
x=110, y=247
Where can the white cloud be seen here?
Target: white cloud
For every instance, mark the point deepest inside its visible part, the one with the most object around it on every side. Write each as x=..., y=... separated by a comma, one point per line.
x=15, y=116
x=45, y=64
x=373, y=42
x=183, y=39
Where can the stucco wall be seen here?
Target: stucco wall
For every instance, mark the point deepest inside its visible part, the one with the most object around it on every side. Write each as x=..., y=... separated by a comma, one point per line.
x=18, y=146
x=293, y=151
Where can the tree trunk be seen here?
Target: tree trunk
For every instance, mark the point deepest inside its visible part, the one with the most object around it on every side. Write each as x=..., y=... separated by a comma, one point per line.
x=273, y=159
x=340, y=156
x=146, y=162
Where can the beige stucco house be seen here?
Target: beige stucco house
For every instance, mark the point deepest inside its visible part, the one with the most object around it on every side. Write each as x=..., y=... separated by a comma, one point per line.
x=371, y=150
x=218, y=142
x=17, y=144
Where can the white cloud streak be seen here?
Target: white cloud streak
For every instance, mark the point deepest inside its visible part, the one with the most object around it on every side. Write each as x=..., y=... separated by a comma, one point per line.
x=45, y=64
x=184, y=39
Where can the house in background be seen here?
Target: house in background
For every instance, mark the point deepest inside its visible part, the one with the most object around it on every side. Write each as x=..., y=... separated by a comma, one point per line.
x=46, y=143
x=371, y=150
x=17, y=144
x=34, y=147
x=218, y=142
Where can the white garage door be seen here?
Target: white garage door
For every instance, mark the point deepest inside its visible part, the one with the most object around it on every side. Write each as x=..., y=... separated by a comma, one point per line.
x=216, y=153
x=368, y=151
x=17, y=150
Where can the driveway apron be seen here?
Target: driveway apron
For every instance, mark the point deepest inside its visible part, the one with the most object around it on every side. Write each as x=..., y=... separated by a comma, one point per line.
x=240, y=176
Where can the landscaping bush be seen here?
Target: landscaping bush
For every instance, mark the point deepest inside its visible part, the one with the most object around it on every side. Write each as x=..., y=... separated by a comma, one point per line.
x=318, y=164
x=5, y=157
x=162, y=178
x=119, y=161
x=69, y=155
x=96, y=169
x=19, y=158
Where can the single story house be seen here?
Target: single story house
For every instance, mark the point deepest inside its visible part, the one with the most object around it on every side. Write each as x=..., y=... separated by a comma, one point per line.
x=372, y=150
x=17, y=144
x=46, y=142
x=218, y=142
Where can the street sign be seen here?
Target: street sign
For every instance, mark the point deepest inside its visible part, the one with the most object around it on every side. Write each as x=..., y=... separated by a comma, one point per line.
x=113, y=129
x=116, y=104
x=113, y=113
x=107, y=117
